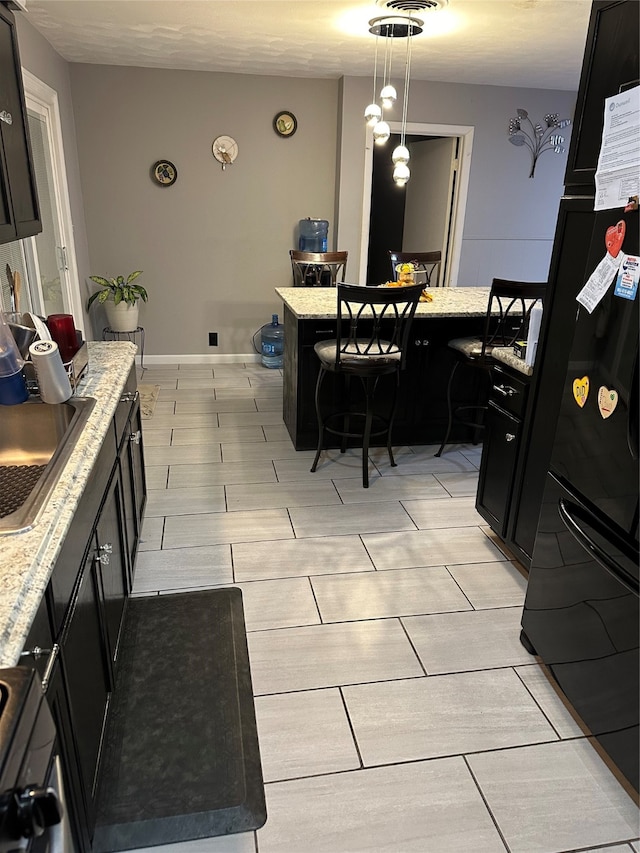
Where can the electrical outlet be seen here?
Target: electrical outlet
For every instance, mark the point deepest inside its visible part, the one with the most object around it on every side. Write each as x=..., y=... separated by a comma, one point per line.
x=213, y=339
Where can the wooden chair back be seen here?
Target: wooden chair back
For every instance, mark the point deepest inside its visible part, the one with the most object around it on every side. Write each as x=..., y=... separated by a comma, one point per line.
x=318, y=269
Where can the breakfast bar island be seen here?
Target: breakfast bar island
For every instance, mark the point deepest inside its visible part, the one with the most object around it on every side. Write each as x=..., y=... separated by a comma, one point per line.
x=310, y=315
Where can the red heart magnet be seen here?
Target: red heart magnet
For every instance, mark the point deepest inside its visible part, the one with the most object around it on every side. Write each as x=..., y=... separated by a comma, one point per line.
x=614, y=238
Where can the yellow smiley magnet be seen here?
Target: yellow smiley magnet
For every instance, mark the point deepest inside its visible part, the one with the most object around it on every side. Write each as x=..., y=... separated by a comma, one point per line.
x=607, y=401
x=581, y=390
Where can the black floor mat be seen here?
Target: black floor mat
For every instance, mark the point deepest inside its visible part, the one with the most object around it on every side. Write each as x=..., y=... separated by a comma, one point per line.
x=181, y=754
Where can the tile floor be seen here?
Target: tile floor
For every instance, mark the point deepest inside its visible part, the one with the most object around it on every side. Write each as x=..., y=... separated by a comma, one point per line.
x=396, y=708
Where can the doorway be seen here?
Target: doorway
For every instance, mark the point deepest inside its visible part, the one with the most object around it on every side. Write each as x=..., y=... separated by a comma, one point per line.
x=425, y=215
x=46, y=262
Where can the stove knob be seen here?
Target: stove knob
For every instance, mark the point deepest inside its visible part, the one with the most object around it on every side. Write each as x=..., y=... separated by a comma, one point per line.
x=37, y=808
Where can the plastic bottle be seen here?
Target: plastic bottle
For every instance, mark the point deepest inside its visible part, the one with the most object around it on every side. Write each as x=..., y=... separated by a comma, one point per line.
x=272, y=343
x=313, y=235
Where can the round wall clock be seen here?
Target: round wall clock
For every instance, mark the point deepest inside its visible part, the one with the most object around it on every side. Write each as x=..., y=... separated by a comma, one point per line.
x=285, y=123
x=164, y=173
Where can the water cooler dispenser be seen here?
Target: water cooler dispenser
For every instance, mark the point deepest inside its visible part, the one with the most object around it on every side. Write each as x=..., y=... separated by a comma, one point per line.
x=313, y=235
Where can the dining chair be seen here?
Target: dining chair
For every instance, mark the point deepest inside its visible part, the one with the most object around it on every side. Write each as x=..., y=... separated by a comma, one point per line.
x=318, y=269
x=506, y=321
x=372, y=331
x=426, y=264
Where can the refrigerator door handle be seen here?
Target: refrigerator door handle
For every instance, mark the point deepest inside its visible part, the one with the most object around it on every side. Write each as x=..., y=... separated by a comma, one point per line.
x=632, y=413
x=571, y=515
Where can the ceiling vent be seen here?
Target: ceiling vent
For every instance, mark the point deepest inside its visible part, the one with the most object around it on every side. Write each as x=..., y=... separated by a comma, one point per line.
x=412, y=5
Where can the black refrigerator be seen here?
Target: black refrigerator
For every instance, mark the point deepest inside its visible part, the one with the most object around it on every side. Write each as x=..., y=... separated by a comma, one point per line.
x=581, y=613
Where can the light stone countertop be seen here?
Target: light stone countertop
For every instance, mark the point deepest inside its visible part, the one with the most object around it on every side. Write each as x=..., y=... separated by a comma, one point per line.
x=27, y=559
x=507, y=356
x=319, y=303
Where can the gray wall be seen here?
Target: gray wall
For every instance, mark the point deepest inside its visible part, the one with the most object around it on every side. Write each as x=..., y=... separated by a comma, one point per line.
x=215, y=244
x=510, y=218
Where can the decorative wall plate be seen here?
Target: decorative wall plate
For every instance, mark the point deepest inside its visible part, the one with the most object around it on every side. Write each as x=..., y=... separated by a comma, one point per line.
x=285, y=123
x=225, y=150
x=164, y=173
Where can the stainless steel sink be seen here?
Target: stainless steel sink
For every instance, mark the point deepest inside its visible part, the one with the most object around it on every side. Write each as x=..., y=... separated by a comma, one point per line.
x=36, y=440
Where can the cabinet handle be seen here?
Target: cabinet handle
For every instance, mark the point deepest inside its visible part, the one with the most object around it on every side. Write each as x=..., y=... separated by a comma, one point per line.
x=128, y=397
x=506, y=391
x=104, y=558
x=509, y=436
x=50, y=664
x=6, y=117
x=36, y=653
x=135, y=436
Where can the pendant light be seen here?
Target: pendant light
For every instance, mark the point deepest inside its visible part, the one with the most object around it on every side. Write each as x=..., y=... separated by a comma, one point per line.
x=400, y=156
x=373, y=113
x=388, y=94
x=391, y=27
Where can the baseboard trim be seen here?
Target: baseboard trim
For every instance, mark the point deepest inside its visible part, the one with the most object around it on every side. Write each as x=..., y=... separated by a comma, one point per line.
x=202, y=358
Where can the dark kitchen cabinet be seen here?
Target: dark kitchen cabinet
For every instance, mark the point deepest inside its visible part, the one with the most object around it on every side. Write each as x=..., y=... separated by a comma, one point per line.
x=498, y=467
x=76, y=631
x=43, y=655
x=131, y=461
x=56, y=693
x=19, y=211
x=85, y=668
x=111, y=563
x=500, y=478
x=39, y=644
x=606, y=71
x=422, y=405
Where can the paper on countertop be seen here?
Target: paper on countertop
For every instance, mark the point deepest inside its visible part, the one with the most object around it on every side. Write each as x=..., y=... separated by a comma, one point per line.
x=618, y=171
x=599, y=281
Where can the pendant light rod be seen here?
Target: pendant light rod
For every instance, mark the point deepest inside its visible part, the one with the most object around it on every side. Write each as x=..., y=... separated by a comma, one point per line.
x=375, y=70
x=405, y=94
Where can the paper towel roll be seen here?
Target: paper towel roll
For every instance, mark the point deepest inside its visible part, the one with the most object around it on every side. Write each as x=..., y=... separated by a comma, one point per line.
x=535, y=319
x=51, y=376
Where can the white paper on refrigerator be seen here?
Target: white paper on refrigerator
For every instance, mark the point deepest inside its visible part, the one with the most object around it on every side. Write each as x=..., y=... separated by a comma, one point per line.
x=618, y=172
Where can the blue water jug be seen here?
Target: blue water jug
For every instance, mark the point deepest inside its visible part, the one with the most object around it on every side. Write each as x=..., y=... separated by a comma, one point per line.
x=272, y=343
x=313, y=235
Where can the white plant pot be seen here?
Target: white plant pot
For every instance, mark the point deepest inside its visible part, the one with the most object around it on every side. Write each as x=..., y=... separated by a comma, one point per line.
x=122, y=317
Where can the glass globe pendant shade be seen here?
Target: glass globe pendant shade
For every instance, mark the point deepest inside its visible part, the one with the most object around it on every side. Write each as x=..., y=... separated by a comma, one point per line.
x=400, y=154
x=388, y=95
x=373, y=114
x=381, y=132
x=401, y=174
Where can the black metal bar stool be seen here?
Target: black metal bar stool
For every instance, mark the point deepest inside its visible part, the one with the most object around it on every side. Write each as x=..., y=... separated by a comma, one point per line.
x=373, y=325
x=506, y=321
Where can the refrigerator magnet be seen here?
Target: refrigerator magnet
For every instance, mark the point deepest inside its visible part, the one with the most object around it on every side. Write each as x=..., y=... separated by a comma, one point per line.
x=607, y=401
x=614, y=237
x=627, y=280
x=581, y=390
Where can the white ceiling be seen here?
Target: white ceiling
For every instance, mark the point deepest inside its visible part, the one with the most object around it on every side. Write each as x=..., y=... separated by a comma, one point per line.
x=537, y=43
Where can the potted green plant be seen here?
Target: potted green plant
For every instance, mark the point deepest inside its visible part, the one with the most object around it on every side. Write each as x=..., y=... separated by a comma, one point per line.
x=120, y=299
